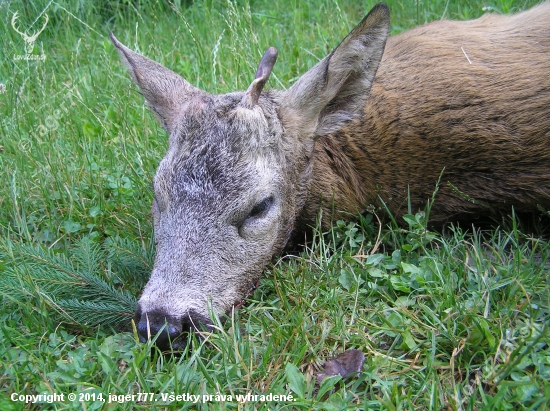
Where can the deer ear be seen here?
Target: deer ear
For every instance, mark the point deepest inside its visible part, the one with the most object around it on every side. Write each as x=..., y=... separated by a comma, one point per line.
x=164, y=91
x=335, y=90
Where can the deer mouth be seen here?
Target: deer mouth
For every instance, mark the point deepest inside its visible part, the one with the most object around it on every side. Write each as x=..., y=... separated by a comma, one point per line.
x=242, y=302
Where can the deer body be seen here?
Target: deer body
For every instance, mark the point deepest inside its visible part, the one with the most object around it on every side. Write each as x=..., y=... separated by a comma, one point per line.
x=246, y=169
x=471, y=99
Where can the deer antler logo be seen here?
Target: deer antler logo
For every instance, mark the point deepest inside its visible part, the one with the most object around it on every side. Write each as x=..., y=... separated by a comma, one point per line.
x=29, y=40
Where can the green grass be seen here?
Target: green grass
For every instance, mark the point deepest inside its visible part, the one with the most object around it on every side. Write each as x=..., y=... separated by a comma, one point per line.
x=447, y=321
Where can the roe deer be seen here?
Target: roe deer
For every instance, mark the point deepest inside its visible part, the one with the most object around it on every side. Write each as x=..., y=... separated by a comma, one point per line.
x=246, y=169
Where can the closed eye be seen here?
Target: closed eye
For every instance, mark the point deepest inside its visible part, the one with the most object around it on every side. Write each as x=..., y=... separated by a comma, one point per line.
x=261, y=208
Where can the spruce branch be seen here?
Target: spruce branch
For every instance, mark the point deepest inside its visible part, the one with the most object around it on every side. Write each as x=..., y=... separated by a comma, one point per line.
x=81, y=286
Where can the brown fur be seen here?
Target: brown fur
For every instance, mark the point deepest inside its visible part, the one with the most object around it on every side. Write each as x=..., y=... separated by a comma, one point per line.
x=486, y=124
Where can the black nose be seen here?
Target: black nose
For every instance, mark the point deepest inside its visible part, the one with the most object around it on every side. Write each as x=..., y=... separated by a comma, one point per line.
x=171, y=332
x=169, y=329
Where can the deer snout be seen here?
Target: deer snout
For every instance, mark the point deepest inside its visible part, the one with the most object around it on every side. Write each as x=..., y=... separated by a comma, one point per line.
x=171, y=332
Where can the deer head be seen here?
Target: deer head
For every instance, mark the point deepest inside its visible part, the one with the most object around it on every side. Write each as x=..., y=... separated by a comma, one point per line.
x=29, y=39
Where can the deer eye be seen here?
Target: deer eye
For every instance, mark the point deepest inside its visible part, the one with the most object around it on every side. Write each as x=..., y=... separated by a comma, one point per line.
x=261, y=207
